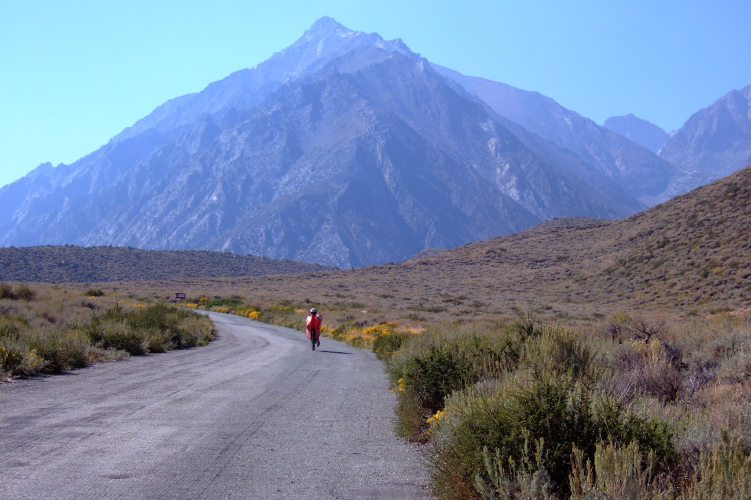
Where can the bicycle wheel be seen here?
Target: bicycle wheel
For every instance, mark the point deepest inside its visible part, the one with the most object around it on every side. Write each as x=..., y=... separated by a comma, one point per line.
x=313, y=339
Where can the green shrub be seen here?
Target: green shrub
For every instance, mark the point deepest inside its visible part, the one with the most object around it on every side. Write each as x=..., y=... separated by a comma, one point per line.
x=94, y=331
x=434, y=366
x=557, y=350
x=121, y=337
x=60, y=333
x=723, y=473
x=157, y=341
x=10, y=332
x=6, y=292
x=225, y=302
x=452, y=363
x=618, y=472
x=93, y=292
x=115, y=314
x=158, y=316
x=525, y=326
x=157, y=328
x=387, y=344
x=553, y=409
x=61, y=350
x=527, y=479
x=23, y=292
x=436, y=374
x=11, y=360
x=18, y=360
x=198, y=326
x=182, y=338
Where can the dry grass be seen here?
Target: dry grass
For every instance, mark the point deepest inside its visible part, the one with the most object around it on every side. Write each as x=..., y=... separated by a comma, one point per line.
x=48, y=329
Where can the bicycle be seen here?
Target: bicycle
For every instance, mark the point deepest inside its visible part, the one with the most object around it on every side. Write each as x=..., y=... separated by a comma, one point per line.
x=313, y=338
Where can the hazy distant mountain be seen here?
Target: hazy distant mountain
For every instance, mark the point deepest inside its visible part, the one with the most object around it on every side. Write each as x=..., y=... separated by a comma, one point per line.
x=714, y=142
x=640, y=131
x=641, y=173
x=343, y=149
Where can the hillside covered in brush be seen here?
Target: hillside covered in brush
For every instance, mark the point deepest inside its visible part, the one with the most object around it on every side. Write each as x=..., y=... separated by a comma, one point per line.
x=74, y=264
x=690, y=254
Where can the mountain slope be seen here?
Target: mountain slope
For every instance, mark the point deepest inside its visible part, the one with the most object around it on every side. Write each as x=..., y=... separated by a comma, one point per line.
x=640, y=131
x=641, y=173
x=715, y=141
x=225, y=102
x=381, y=174
x=691, y=255
x=690, y=252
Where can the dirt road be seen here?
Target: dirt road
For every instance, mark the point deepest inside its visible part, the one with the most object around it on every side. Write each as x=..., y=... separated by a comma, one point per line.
x=255, y=414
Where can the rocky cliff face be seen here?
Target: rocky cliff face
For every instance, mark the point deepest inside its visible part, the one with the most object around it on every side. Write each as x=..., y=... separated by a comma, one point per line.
x=714, y=142
x=637, y=155
x=638, y=171
x=343, y=149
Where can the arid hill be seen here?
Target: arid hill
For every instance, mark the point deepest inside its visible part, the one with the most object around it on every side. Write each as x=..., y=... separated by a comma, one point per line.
x=74, y=264
x=690, y=254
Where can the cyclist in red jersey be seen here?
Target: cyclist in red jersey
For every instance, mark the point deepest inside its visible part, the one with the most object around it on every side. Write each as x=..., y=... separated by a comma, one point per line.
x=313, y=324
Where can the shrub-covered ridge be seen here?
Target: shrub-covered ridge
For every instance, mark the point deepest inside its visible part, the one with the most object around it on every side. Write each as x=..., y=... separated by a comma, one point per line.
x=526, y=410
x=75, y=264
x=51, y=331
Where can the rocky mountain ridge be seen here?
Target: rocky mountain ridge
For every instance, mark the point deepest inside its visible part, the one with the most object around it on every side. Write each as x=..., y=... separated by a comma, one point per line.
x=638, y=171
x=347, y=159
x=714, y=142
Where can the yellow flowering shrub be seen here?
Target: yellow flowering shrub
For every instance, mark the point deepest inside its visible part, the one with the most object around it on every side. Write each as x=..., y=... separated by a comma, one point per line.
x=435, y=418
x=33, y=361
x=400, y=385
x=380, y=329
x=248, y=312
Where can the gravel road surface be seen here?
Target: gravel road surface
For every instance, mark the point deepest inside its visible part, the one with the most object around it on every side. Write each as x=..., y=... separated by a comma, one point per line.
x=255, y=414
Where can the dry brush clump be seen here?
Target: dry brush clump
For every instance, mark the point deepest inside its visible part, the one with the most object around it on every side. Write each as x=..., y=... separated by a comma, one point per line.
x=637, y=408
x=50, y=330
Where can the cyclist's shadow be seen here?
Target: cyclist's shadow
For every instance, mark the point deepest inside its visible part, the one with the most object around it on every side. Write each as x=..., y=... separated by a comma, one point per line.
x=333, y=352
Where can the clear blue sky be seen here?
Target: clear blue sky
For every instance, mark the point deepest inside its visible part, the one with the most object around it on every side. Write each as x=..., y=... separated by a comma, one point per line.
x=74, y=73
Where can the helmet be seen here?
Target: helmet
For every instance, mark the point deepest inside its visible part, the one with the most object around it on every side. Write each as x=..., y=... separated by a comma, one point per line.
x=314, y=311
